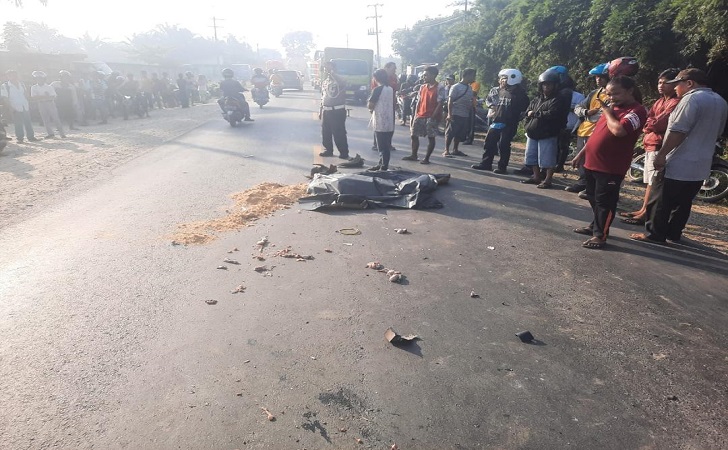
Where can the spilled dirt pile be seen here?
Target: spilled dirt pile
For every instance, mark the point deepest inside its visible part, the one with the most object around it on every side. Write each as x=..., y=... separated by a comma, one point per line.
x=250, y=205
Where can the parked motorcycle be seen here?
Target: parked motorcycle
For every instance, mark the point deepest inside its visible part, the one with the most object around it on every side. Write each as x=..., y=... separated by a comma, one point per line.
x=137, y=104
x=260, y=96
x=715, y=187
x=233, y=111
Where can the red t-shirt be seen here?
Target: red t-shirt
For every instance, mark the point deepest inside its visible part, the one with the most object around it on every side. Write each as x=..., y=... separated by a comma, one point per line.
x=427, y=104
x=605, y=152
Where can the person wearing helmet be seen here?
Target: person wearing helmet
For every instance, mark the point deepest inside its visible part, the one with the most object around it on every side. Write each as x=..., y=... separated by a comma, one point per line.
x=545, y=118
x=588, y=112
x=608, y=155
x=67, y=98
x=230, y=87
x=511, y=103
x=14, y=93
x=260, y=81
x=45, y=97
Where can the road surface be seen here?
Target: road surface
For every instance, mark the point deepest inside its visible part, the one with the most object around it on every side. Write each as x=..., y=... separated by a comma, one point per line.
x=106, y=341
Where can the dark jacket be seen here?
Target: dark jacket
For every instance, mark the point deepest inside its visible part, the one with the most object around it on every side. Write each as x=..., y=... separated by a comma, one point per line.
x=549, y=116
x=512, y=102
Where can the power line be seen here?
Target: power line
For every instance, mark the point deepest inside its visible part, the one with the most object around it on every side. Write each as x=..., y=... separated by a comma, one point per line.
x=376, y=18
x=215, y=26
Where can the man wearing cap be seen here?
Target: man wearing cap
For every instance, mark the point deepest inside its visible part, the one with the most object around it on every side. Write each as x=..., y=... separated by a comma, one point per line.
x=333, y=113
x=684, y=159
x=15, y=93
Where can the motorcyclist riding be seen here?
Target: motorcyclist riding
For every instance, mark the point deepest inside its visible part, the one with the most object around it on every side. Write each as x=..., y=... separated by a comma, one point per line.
x=260, y=82
x=231, y=87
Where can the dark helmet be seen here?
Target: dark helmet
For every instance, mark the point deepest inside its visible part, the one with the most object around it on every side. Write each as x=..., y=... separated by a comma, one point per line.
x=258, y=71
x=228, y=73
x=549, y=76
x=626, y=65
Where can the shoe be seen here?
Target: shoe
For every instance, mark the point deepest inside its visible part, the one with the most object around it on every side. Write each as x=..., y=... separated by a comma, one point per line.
x=458, y=153
x=574, y=188
x=248, y=119
x=583, y=196
x=410, y=158
x=501, y=171
x=544, y=185
x=376, y=168
x=530, y=181
x=327, y=153
x=344, y=156
x=481, y=167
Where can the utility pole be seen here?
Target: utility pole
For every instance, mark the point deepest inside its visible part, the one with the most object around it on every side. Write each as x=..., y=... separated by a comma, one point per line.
x=215, y=26
x=375, y=32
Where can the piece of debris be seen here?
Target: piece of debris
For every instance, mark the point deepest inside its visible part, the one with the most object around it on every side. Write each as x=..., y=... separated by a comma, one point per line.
x=271, y=417
x=525, y=336
x=359, y=441
x=395, y=339
x=396, y=278
x=356, y=161
x=314, y=358
x=473, y=294
x=490, y=247
x=328, y=250
x=673, y=398
x=238, y=289
x=374, y=265
x=342, y=430
x=322, y=169
x=176, y=243
x=231, y=261
x=211, y=302
x=239, y=394
x=262, y=243
x=349, y=244
x=350, y=231
x=246, y=361
x=261, y=269
x=401, y=231
x=259, y=257
x=394, y=447
x=288, y=253
x=222, y=267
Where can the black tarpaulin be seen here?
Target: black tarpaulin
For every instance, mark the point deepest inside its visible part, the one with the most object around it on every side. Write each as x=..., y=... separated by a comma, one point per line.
x=395, y=189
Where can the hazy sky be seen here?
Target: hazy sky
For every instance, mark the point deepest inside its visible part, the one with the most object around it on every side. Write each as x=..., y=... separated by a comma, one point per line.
x=262, y=23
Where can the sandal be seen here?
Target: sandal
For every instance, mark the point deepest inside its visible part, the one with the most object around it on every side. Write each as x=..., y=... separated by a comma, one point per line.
x=633, y=221
x=447, y=155
x=594, y=243
x=530, y=181
x=626, y=214
x=410, y=158
x=425, y=161
x=641, y=237
x=544, y=186
x=586, y=231
x=458, y=153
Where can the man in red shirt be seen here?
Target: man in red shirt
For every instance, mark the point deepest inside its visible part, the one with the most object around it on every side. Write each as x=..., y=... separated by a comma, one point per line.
x=608, y=154
x=655, y=129
x=428, y=115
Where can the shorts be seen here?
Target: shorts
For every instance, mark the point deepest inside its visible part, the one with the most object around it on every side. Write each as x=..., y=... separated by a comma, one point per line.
x=542, y=152
x=424, y=126
x=458, y=128
x=649, y=171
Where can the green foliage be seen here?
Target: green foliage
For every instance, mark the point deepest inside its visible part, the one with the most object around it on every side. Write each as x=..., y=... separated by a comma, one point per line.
x=14, y=38
x=298, y=44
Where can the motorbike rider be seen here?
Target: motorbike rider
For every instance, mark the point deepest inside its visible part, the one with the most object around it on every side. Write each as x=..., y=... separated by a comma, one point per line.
x=260, y=81
x=232, y=88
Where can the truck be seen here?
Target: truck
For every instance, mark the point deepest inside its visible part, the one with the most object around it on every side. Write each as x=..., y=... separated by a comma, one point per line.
x=355, y=65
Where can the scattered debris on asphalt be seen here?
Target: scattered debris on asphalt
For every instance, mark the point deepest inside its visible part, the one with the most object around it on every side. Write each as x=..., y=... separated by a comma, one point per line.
x=222, y=267
x=374, y=265
x=354, y=162
x=262, y=243
x=259, y=257
x=673, y=398
x=233, y=250
x=239, y=289
x=289, y=253
x=265, y=270
x=328, y=250
x=322, y=169
x=395, y=339
x=359, y=441
x=211, y=302
x=231, y=261
x=525, y=336
x=473, y=294
x=401, y=231
x=395, y=277
x=490, y=247
x=271, y=417
x=350, y=231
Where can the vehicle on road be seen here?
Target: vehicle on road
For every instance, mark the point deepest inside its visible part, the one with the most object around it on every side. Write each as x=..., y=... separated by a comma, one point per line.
x=232, y=111
x=260, y=96
x=354, y=65
x=291, y=80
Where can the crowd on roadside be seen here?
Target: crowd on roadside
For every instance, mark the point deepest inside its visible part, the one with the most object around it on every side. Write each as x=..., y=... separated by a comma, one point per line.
x=63, y=101
x=678, y=131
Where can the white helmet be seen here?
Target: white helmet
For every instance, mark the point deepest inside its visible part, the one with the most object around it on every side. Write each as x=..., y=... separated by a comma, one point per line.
x=39, y=74
x=513, y=76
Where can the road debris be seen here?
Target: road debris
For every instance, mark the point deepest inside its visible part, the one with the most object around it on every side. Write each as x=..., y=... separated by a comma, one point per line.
x=322, y=169
x=396, y=278
x=394, y=447
x=490, y=247
x=265, y=270
x=262, y=243
x=359, y=441
x=401, y=231
x=525, y=336
x=395, y=339
x=238, y=290
x=374, y=265
x=350, y=231
x=328, y=250
x=231, y=261
x=259, y=257
x=289, y=253
x=233, y=250
x=354, y=162
x=271, y=417
x=222, y=267
x=473, y=294
x=211, y=302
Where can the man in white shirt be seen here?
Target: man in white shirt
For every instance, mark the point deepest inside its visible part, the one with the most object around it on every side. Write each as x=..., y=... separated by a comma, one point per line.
x=14, y=93
x=45, y=96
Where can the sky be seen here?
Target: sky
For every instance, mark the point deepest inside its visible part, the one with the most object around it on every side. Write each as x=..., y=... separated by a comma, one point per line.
x=333, y=23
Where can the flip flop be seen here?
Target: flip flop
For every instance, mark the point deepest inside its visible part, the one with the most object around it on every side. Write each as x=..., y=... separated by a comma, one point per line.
x=424, y=161
x=632, y=221
x=530, y=181
x=410, y=158
x=641, y=237
x=544, y=186
x=586, y=231
x=594, y=244
x=459, y=153
x=447, y=155
x=626, y=214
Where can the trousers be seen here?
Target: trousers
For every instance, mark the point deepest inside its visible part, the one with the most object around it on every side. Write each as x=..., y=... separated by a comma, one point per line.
x=668, y=208
x=602, y=190
x=498, y=141
x=333, y=130
x=49, y=114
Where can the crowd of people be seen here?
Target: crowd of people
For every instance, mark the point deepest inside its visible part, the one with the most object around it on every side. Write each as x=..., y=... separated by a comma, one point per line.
x=65, y=101
x=678, y=132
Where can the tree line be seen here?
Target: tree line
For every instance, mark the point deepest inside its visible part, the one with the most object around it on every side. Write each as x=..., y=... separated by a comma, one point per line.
x=532, y=35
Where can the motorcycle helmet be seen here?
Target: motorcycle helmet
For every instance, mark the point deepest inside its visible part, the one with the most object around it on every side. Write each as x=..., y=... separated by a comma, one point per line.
x=39, y=74
x=228, y=73
x=513, y=76
x=258, y=71
x=549, y=76
x=626, y=65
x=600, y=70
x=562, y=71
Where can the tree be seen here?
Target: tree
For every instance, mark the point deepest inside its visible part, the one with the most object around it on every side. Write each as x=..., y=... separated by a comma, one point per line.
x=298, y=44
x=14, y=38
x=423, y=43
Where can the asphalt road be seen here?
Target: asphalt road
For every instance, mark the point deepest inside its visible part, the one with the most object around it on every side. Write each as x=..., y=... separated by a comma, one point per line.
x=106, y=340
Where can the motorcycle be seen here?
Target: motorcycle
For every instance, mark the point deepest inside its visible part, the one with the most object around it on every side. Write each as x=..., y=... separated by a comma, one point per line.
x=276, y=89
x=260, y=96
x=715, y=187
x=137, y=104
x=233, y=111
